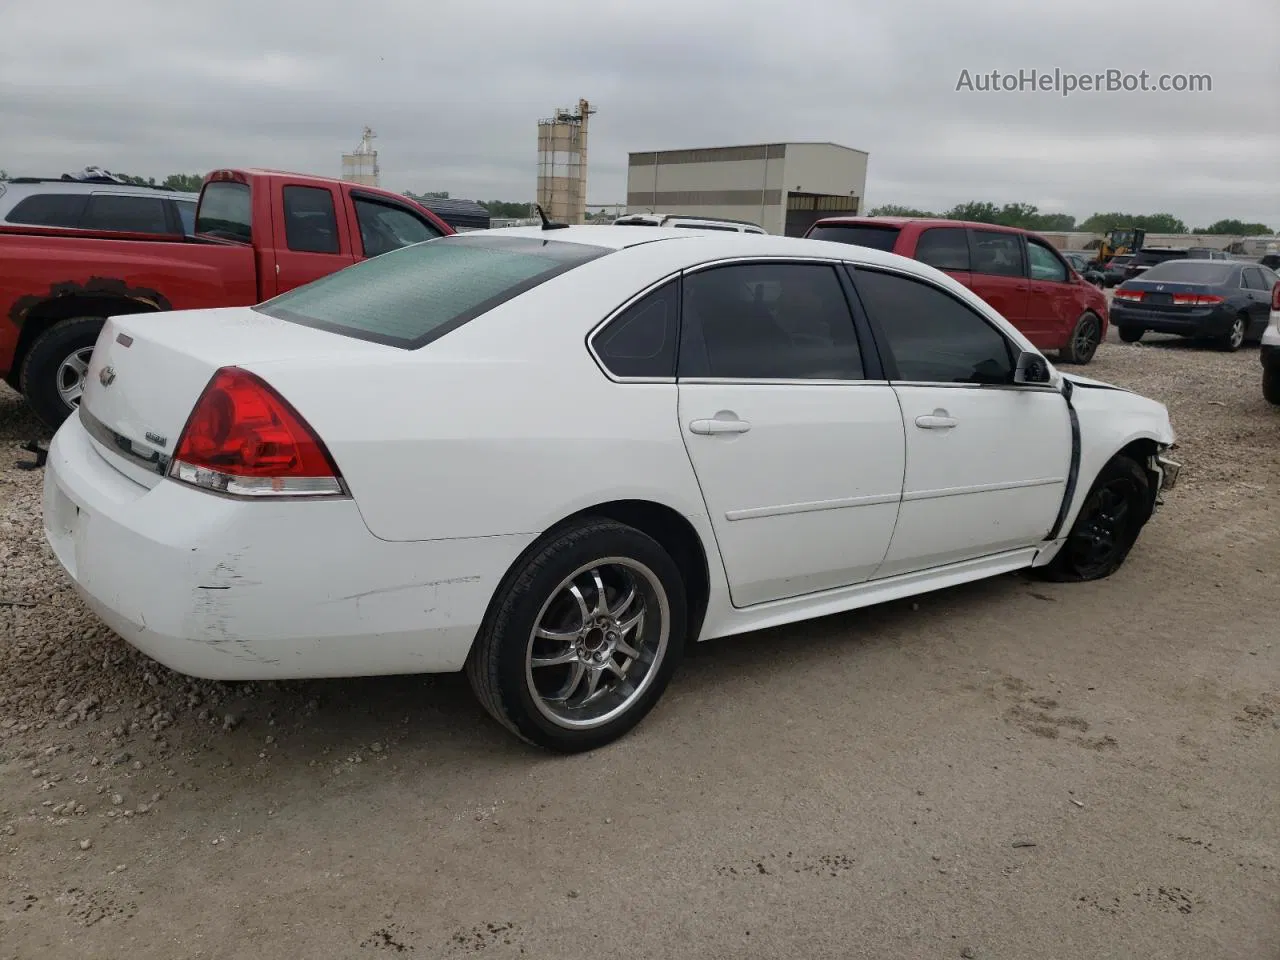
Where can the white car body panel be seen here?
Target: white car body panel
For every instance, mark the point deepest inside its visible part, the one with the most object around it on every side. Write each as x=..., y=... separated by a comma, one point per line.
x=1271, y=336
x=459, y=455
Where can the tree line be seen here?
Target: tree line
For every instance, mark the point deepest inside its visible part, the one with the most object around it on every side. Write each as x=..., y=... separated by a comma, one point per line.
x=1028, y=217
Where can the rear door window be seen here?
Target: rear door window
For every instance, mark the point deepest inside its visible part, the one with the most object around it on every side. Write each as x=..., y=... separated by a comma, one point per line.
x=997, y=254
x=107, y=211
x=411, y=296
x=946, y=248
x=310, y=220
x=863, y=235
x=226, y=211
x=49, y=210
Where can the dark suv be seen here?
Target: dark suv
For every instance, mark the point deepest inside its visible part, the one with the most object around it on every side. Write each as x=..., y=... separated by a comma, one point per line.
x=1148, y=257
x=94, y=205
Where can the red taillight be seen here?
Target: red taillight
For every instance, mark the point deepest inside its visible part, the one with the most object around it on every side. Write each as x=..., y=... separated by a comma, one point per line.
x=245, y=439
x=1128, y=294
x=1196, y=299
x=1275, y=297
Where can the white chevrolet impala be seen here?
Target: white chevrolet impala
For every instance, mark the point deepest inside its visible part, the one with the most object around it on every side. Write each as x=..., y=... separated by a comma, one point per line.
x=556, y=457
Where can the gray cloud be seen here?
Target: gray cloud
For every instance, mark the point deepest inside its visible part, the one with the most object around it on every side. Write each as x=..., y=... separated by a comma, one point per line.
x=454, y=88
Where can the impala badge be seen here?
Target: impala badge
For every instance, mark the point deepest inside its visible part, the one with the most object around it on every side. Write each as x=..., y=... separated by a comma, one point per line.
x=107, y=376
x=156, y=438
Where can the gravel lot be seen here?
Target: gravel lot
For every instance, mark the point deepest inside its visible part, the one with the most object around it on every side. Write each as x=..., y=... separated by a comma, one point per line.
x=1005, y=770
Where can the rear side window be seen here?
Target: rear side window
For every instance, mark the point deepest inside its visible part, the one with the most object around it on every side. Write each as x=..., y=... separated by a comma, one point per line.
x=411, y=296
x=997, y=254
x=862, y=235
x=641, y=341
x=226, y=211
x=1252, y=278
x=187, y=214
x=135, y=214
x=49, y=210
x=1150, y=259
x=310, y=220
x=946, y=248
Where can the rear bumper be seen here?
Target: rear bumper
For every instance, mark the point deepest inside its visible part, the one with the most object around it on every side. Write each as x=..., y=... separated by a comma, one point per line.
x=1208, y=322
x=228, y=590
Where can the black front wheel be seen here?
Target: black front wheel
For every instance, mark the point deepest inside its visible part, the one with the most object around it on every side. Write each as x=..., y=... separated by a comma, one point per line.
x=1085, y=337
x=1117, y=507
x=1131, y=334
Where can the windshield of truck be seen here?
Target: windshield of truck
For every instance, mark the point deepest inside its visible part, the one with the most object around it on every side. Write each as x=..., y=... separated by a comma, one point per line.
x=226, y=211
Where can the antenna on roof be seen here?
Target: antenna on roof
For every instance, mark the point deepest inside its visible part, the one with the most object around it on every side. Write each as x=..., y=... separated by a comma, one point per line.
x=548, y=224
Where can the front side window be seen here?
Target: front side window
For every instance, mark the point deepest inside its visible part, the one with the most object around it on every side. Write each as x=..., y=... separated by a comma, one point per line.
x=934, y=338
x=641, y=341
x=411, y=296
x=49, y=210
x=384, y=228
x=133, y=214
x=946, y=248
x=226, y=211
x=310, y=221
x=996, y=253
x=1045, y=264
x=768, y=321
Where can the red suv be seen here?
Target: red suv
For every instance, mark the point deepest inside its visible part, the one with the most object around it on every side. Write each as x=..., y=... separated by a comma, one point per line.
x=1017, y=272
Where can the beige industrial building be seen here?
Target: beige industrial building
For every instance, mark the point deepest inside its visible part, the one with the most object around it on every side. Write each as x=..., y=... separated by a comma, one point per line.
x=783, y=187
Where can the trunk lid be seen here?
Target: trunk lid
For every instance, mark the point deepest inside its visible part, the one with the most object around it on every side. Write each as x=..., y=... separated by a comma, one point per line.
x=148, y=371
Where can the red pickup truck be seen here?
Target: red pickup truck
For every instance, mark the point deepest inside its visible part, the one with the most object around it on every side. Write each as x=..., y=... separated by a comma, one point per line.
x=258, y=233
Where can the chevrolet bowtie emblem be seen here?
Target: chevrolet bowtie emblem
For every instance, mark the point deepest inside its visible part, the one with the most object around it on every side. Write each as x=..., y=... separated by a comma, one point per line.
x=107, y=376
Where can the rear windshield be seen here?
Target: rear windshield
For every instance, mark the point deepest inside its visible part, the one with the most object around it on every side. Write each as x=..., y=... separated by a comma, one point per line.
x=226, y=211
x=862, y=235
x=411, y=296
x=1209, y=272
x=1146, y=259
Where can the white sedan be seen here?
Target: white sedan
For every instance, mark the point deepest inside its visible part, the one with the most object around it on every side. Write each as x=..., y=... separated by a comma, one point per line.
x=556, y=457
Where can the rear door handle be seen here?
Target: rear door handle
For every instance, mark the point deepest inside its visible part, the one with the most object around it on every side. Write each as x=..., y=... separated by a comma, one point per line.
x=708, y=427
x=936, y=421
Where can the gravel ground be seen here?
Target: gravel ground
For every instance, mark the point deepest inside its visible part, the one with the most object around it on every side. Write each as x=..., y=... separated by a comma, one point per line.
x=1010, y=769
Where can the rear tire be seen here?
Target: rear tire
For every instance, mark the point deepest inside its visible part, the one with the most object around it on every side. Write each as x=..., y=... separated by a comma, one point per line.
x=1115, y=510
x=1233, y=340
x=1086, y=335
x=1130, y=334
x=52, y=374
x=1271, y=385
x=560, y=668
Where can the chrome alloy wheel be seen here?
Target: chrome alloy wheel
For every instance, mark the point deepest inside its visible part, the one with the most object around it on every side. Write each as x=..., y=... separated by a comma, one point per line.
x=71, y=374
x=1235, y=339
x=597, y=643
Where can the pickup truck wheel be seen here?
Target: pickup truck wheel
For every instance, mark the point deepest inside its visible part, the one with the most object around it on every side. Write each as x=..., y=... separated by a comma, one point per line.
x=52, y=376
x=1084, y=341
x=1114, y=513
x=1271, y=385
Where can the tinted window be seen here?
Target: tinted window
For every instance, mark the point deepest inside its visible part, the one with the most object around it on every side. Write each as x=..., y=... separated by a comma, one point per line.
x=769, y=321
x=641, y=341
x=1045, y=264
x=1121, y=260
x=1253, y=279
x=1269, y=277
x=136, y=214
x=946, y=248
x=225, y=211
x=934, y=337
x=416, y=294
x=862, y=235
x=187, y=214
x=384, y=228
x=49, y=210
x=995, y=253
x=1147, y=258
x=310, y=222
x=1189, y=271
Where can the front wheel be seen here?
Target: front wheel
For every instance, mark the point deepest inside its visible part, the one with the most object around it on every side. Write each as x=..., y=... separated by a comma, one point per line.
x=1114, y=513
x=582, y=638
x=52, y=375
x=1084, y=341
x=1131, y=334
x=1271, y=385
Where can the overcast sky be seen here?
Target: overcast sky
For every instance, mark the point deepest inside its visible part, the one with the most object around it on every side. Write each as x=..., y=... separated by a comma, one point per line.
x=454, y=89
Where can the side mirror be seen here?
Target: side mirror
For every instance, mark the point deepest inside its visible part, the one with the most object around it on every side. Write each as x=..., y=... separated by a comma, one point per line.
x=1031, y=368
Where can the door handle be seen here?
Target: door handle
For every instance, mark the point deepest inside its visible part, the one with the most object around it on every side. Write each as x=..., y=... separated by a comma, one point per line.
x=938, y=420
x=707, y=428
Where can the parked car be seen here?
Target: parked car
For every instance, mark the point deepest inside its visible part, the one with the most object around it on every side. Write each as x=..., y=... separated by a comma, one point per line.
x=258, y=233
x=61, y=204
x=1148, y=257
x=688, y=223
x=1083, y=264
x=554, y=459
x=1269, y=351
x=1225, y=301
x=1017, y=272
x=1113, y=272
